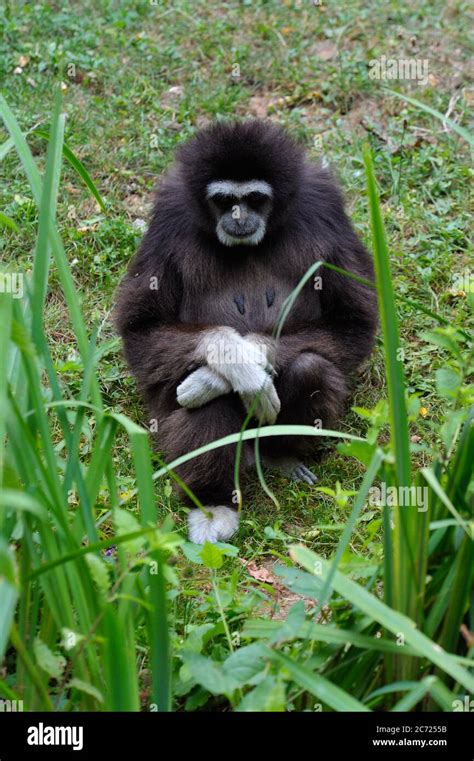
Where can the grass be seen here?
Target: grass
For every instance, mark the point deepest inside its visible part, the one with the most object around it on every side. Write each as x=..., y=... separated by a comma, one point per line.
x=86, y=572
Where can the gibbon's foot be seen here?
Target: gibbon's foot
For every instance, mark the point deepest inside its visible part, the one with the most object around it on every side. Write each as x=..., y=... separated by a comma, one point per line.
x=201, y=387
x=223, y=524
x=292, y=468
x=302, y=473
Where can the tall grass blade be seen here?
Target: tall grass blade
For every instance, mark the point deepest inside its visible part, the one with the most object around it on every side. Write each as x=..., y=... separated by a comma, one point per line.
x=392, y=620
x=461, y=131
x=79, y=167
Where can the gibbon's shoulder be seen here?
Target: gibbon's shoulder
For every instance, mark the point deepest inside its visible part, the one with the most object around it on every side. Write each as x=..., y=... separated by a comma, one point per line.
x=319, y=202
x=319, y=182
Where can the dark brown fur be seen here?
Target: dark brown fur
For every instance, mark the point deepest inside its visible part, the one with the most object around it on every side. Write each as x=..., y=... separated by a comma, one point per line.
x=200, y=283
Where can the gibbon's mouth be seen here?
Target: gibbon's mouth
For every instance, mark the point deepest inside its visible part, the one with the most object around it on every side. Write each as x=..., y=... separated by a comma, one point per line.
x=240, y=239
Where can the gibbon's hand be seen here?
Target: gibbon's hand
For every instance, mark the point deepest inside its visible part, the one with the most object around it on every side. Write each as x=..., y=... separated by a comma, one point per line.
x=235, y=358
x=200, y=387
x=244, y=364
x=268, y=404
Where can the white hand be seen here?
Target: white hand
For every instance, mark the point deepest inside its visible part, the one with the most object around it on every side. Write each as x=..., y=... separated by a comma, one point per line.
x=234, y=357
x=267, y=405
x=244, y=364
x=200, y=387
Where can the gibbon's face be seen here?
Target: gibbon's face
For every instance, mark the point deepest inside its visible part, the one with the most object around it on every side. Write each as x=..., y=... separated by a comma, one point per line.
x=240, y=210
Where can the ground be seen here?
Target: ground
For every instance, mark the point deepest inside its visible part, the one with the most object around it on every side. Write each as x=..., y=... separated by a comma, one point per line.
x=138, y=77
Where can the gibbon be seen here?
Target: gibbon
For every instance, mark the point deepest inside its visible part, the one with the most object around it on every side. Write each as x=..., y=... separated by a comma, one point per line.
x=237, y=222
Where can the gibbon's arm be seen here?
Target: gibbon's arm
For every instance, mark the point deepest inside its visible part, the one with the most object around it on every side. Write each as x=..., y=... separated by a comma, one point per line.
x=345, y=332
x=162, y=352
x=232, y=363
x=157, y=348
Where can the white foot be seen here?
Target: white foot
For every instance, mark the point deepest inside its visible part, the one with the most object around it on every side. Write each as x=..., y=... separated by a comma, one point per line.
x=223, y=524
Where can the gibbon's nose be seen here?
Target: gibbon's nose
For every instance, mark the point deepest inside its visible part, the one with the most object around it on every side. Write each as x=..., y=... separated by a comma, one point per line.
x=240, y=228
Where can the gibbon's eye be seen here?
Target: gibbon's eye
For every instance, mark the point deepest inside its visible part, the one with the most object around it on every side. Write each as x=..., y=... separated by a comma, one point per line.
x=256, y=200
x=223, y=202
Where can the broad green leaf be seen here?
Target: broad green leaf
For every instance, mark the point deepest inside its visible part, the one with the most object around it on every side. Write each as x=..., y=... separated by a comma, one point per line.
x=53, y=663
x=99, y=572
x=209, y=674
x=126, y=523
x=268, y=697
x=6, y=221
x=211, y=556
x=193, y=551
x=448, y=381
x=79, y=684
x=246, y=663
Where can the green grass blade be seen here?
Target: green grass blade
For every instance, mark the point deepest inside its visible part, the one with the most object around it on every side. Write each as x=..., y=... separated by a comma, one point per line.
x=6, y=221
x=80, y=169
x=460, y=594
x=388, y=317
x=47, y=216
x=461, y=131
x=67, y=557
x=359, y=502
x=392, y=620
x=321, y=688
x=6, y=147
x=8, y=593
x=262, y=628
x=435, y=485
x=5, y=322
x=252, y=433
x=120, y=668
x=60, y=258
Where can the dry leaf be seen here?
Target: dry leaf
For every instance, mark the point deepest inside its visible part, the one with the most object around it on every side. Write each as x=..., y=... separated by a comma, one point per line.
x=325, y=50
x=260, y=574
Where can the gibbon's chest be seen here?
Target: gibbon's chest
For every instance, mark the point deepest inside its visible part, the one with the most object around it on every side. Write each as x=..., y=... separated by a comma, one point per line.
x=249, y=300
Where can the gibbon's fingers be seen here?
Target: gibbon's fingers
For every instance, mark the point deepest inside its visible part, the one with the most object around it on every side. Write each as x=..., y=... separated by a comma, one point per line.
x=267, y=348
x=222, y=524
x=302, y=473
x=200, y=387
x=292, y=468
x=268, y=404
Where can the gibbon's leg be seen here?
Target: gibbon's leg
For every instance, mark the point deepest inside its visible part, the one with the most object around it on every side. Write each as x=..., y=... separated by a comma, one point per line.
x=311, y=391
x=211, y=475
